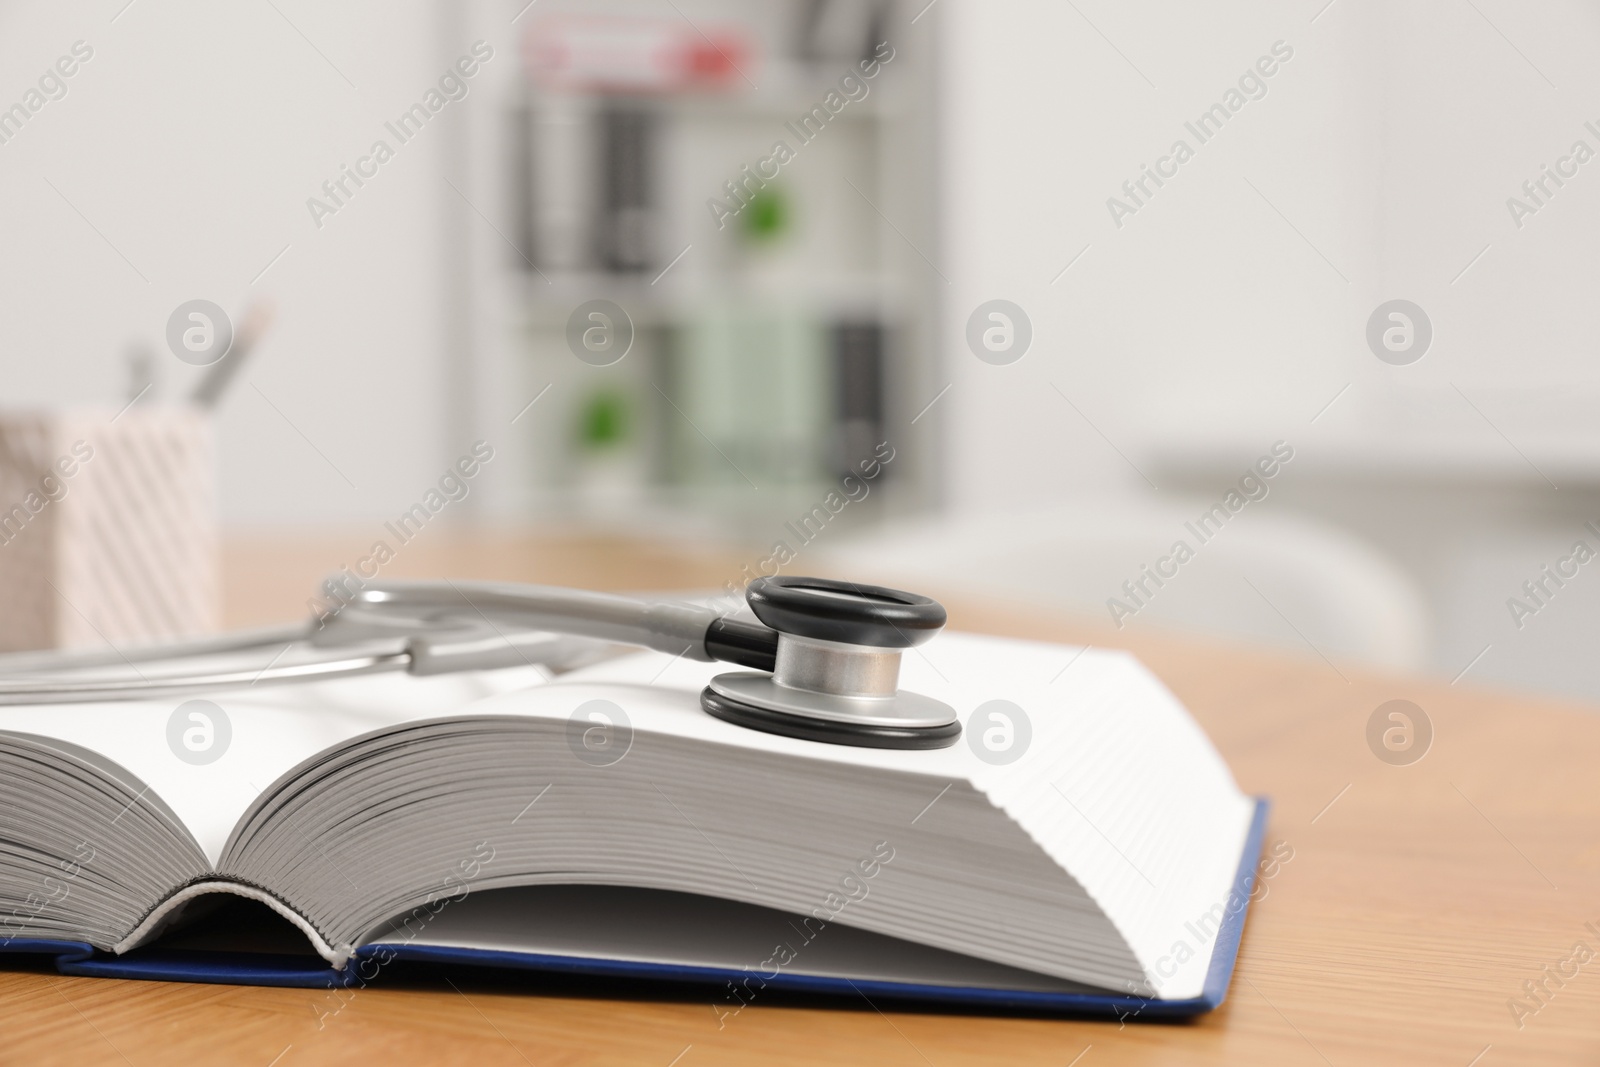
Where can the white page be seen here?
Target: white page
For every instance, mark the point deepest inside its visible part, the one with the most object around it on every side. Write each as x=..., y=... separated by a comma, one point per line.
x=273, y=729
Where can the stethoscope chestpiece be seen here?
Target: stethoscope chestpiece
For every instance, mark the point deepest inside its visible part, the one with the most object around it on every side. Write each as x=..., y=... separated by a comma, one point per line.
x=837, y=669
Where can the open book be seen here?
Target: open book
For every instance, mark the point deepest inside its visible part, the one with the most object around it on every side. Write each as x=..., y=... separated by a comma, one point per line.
x=1083, y=845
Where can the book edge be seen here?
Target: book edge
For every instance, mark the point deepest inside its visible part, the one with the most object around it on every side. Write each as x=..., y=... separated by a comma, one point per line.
x=79, y=959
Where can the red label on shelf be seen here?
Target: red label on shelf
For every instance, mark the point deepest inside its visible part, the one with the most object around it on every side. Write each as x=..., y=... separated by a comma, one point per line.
x=613, y=54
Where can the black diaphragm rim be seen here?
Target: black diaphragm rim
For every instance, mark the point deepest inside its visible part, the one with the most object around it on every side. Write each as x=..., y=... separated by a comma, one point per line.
x=828, y=731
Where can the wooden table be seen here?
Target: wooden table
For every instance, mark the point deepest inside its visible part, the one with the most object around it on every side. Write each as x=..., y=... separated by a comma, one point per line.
x=1418, y=900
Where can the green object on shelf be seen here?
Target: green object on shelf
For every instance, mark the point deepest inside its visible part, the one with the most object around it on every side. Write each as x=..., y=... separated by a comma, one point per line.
x=767, y=214
x=603, y=421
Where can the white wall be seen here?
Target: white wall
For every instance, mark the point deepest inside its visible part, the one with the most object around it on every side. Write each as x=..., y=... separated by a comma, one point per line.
x=191, y=141
x=1390, y=142
x=1205, y=310
x=1470, y=117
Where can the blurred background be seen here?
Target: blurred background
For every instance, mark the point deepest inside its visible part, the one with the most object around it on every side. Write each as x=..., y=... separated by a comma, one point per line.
x=925, y=292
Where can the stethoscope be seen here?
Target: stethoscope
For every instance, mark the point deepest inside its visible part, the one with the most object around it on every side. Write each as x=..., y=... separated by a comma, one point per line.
x=825, y=666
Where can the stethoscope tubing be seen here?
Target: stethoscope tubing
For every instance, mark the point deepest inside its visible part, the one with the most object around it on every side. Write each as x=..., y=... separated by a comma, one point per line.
x=416, y=625
x=63, y=691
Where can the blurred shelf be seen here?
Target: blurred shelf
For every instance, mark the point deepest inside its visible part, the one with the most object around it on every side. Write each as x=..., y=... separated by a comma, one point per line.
x=551, y=297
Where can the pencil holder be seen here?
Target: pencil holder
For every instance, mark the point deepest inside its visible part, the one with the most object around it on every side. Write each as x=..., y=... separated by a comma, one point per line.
x=108, y=531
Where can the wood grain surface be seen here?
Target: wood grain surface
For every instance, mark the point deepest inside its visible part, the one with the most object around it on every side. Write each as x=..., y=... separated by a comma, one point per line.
x=1419, y=900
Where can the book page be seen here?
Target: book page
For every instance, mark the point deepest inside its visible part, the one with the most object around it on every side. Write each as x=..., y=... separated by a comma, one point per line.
x=209, y=770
